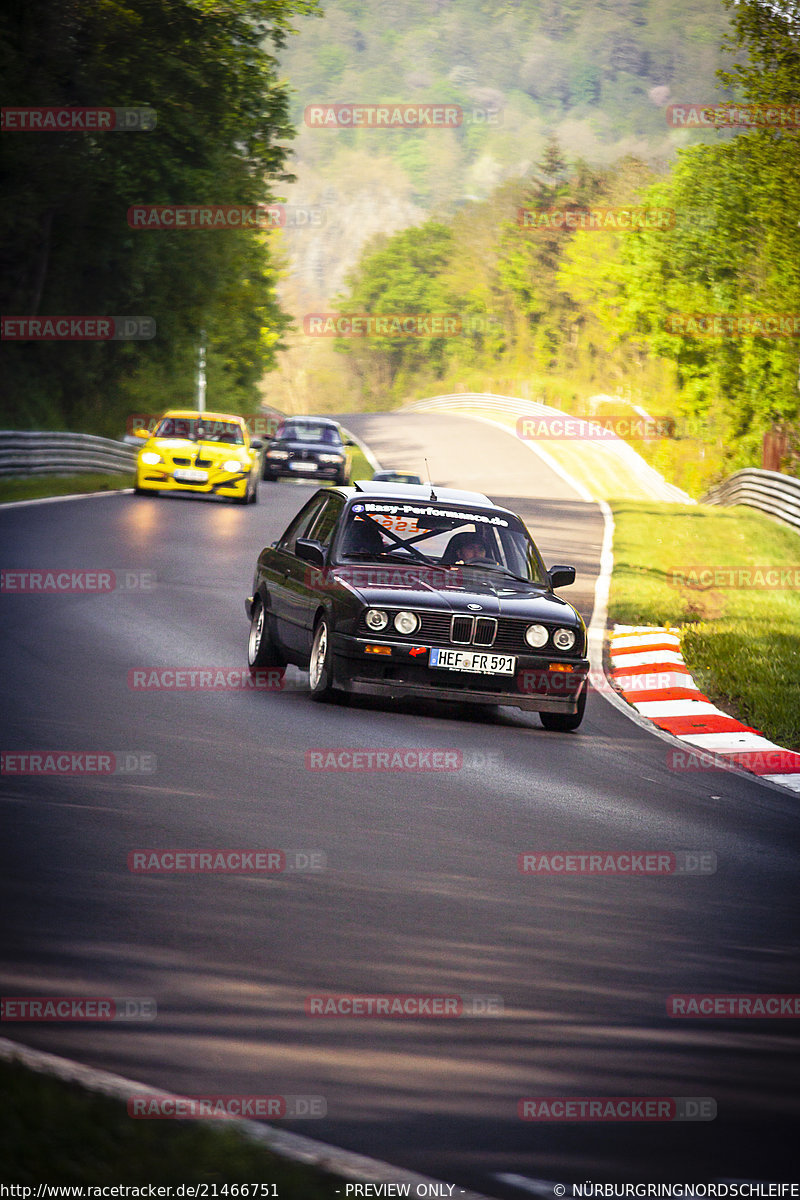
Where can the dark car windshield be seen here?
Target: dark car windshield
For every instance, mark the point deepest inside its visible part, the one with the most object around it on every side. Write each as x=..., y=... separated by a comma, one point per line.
x=227, y=433
x=441, y=536
x=308, y=431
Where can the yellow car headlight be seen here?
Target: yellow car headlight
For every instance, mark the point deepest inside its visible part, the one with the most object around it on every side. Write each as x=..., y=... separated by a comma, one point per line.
x=232, y=464
x=150, y=458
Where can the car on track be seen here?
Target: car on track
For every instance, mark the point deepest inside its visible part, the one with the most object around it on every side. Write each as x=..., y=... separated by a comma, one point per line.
x=396, y=477
x=308, y=448
x=414, y=591
x=207, y=452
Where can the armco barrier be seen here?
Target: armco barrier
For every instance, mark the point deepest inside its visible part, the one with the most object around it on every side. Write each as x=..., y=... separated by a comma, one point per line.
x=769, y=491
x=24, y=452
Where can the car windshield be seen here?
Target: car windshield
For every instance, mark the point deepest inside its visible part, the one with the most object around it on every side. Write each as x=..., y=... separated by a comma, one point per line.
x=440, y=536
x=308, y=431
x=226, y=433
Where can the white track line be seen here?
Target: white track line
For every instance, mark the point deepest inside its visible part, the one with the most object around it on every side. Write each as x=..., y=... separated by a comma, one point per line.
x=60, y=499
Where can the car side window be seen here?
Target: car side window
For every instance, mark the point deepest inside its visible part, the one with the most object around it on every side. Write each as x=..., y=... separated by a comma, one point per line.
x=325, y=525
x=301, y=524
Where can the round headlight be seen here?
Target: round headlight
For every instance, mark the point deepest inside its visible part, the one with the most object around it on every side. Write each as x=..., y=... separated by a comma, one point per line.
x=536, y=636
x=376, y=620
x=564, y=639
x=406, y=622
x=232, y=464
x=150, y=458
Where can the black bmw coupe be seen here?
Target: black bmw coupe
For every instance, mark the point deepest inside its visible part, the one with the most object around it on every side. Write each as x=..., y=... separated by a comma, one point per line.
x=419, y=591
x=308, y=448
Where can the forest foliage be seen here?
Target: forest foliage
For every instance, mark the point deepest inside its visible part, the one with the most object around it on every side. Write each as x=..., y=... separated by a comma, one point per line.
x=208, y=68
x=571, y=311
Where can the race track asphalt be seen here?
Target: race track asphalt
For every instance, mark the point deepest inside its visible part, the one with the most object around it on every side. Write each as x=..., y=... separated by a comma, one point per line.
x=421, y=892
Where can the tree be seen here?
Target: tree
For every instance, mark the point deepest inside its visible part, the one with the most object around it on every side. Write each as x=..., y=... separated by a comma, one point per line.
x=208, y=70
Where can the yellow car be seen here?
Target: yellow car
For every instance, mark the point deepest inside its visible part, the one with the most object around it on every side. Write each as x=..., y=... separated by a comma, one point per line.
x=209, y=452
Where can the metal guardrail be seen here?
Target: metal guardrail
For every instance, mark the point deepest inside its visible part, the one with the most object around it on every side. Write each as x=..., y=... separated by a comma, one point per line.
x=769, y=491
x=24, y=452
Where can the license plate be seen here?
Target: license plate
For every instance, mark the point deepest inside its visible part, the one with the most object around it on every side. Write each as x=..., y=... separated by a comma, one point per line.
x=476, y=661
x=302, y=466
x=191, y=476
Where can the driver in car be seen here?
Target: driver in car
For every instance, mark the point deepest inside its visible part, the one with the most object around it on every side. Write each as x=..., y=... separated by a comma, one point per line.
x=466, y=548
x=472, y=550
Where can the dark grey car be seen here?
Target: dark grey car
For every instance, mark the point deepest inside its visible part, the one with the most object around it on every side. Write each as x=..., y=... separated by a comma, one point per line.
x=308, y=448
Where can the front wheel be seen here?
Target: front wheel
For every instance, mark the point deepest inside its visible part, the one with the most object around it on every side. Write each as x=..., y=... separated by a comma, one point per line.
x=261, y=650
x=320, y=667
x=565, y=722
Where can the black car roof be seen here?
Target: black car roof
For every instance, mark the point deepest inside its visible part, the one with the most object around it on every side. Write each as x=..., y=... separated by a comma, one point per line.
x=305, y=418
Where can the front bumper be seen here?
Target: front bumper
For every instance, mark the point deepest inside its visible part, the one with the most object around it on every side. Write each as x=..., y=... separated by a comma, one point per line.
x=536, y=686
x=219, y=483
x=327, y=471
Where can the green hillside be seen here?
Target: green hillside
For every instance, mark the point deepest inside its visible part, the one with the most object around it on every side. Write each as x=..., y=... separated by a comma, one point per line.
x=598, y=76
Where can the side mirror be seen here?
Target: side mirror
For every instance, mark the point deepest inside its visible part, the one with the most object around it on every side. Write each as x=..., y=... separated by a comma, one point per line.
x=347, y=441
x=256, y=443
x=142, y=433
x=310, y=552
x=561, y=576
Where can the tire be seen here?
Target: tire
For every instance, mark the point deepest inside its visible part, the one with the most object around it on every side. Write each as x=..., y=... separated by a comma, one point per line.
x=565, y=722
x=261, y=651
x=250, y=492
x=137, y=491
x=320, y=667
x=342, y=479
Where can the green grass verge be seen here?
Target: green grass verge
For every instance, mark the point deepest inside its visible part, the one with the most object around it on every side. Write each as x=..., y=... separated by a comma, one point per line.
x=55, y=1132
x=360, y=468
x=35, y=487
x=740, y=643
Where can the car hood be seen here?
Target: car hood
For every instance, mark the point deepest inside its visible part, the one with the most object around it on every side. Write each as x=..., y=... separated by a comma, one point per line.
x=314, y=447
x=185, y=446
x=498, y=596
